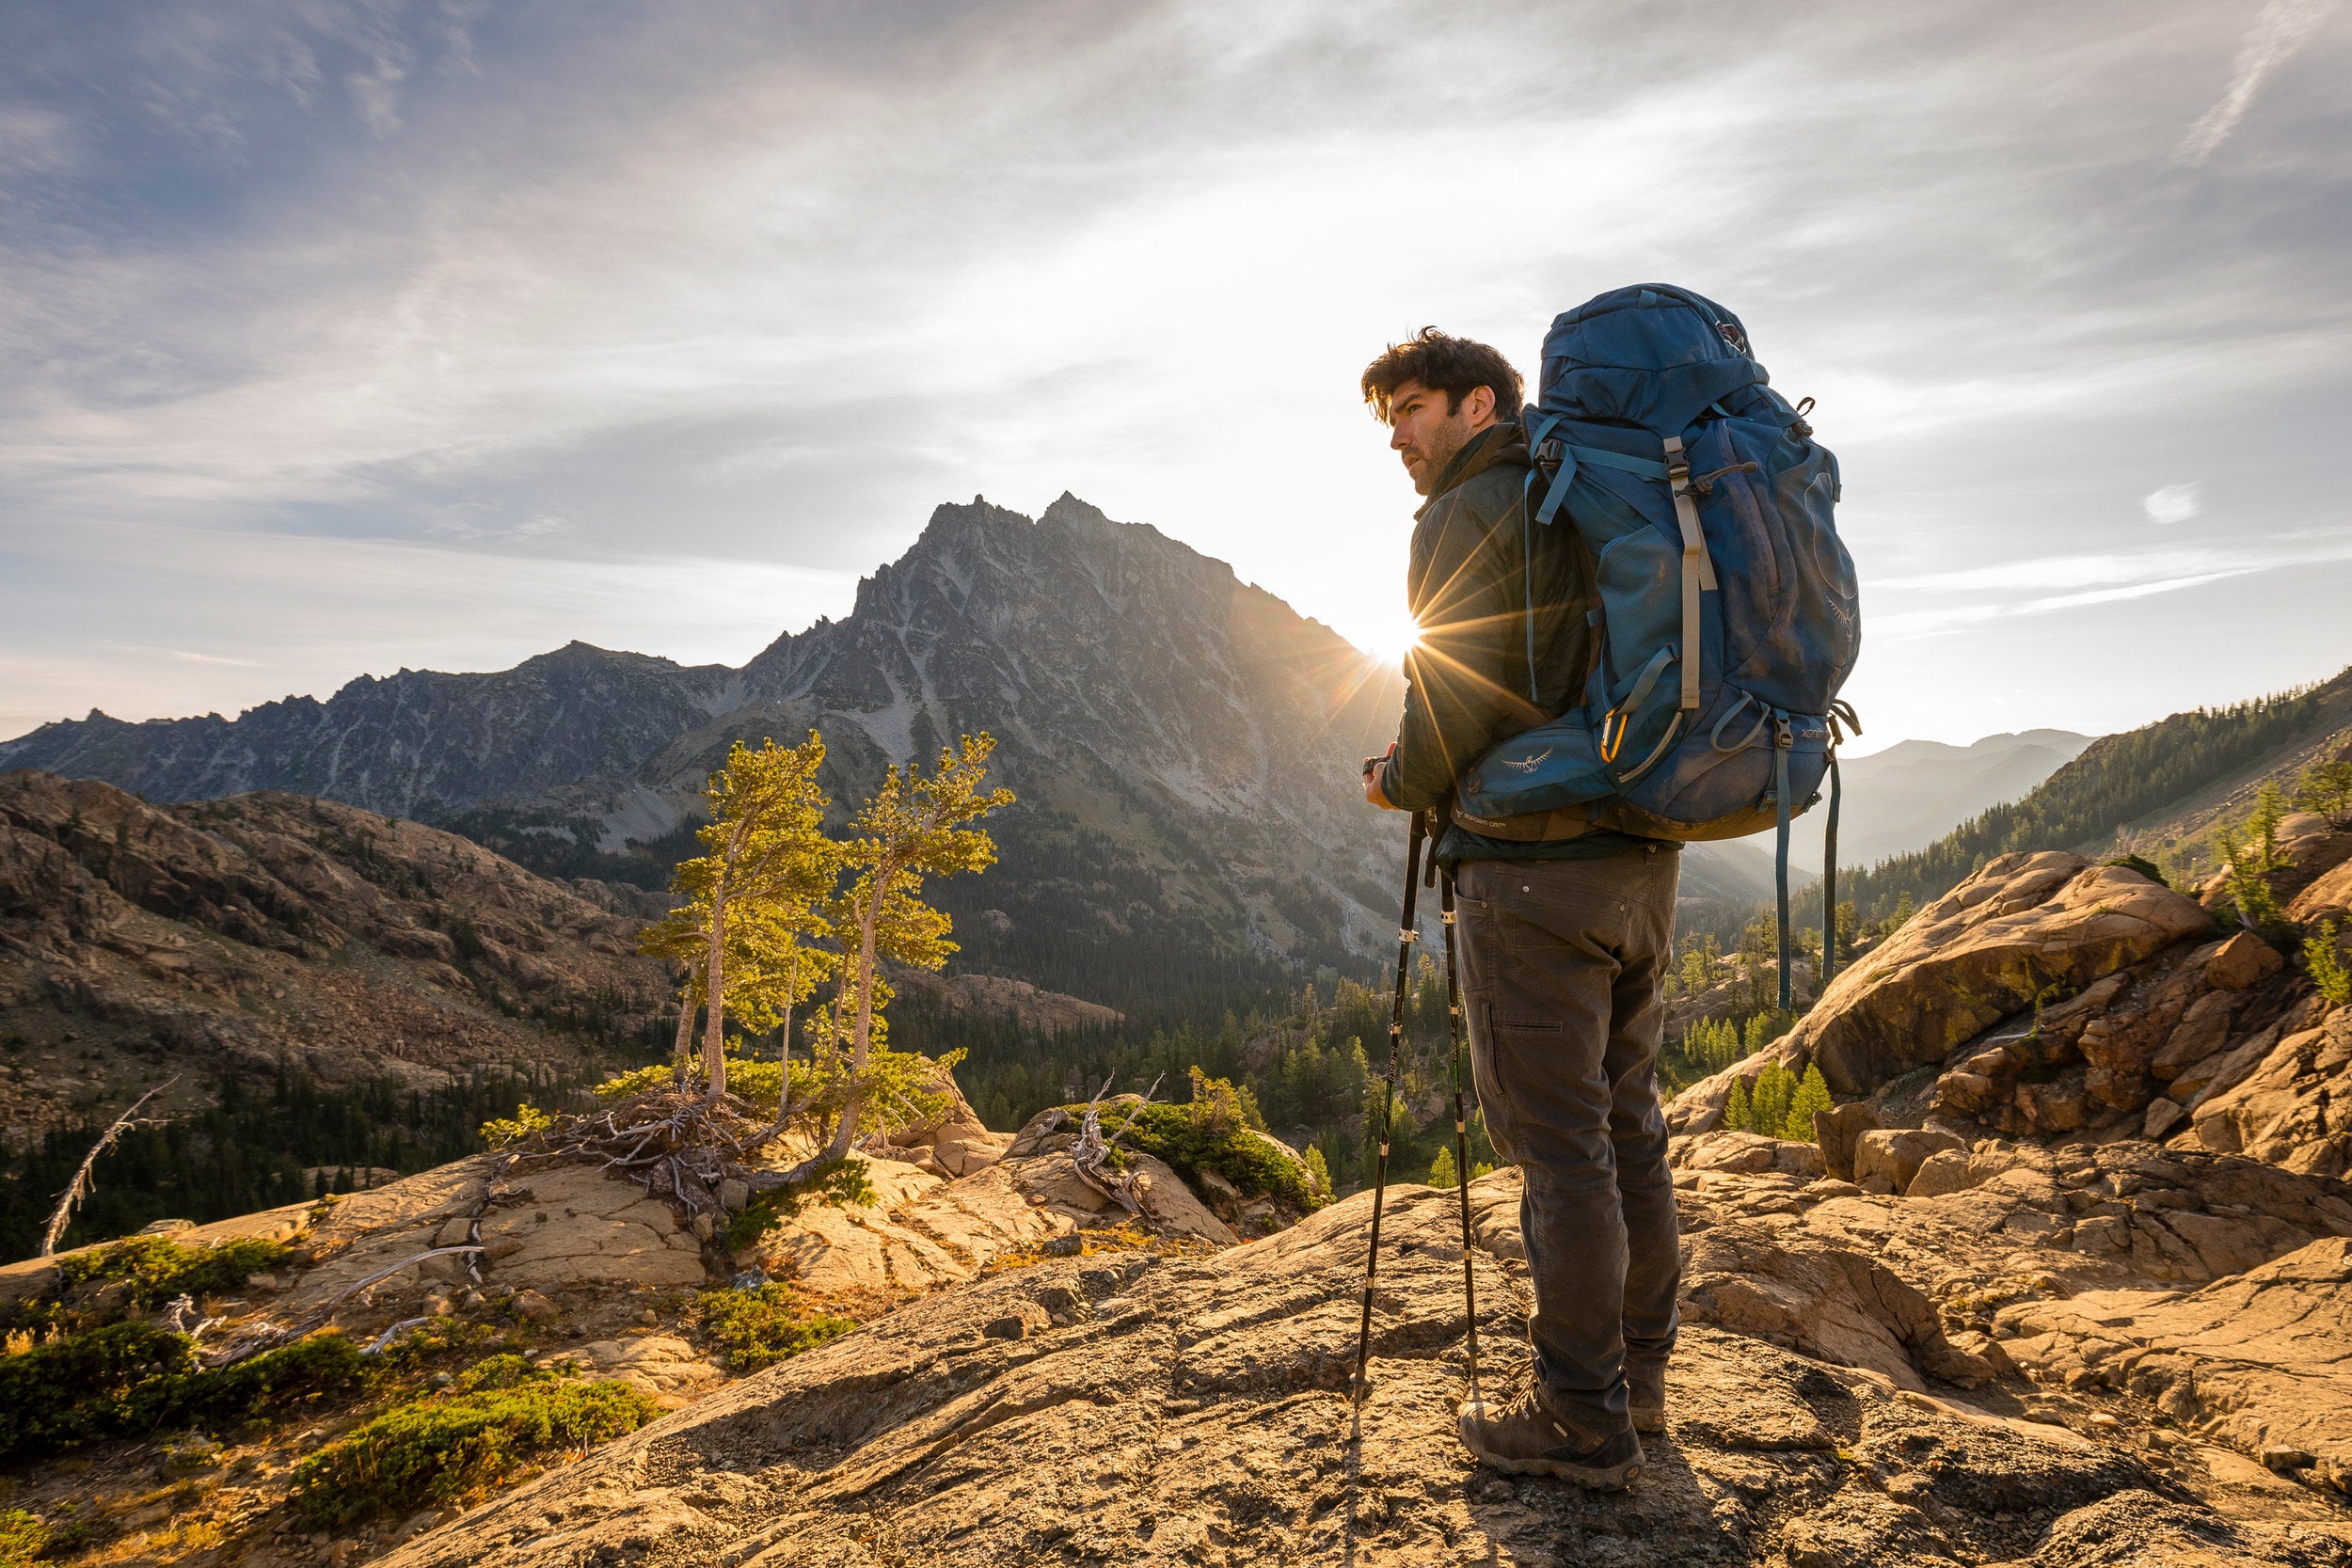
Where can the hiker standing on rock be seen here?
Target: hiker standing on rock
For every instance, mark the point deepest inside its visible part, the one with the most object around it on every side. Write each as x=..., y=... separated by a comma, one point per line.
x=1564, y=940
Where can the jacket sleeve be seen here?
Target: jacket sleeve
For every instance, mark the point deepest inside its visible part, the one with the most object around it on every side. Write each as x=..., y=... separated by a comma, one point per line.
x=1466, y=681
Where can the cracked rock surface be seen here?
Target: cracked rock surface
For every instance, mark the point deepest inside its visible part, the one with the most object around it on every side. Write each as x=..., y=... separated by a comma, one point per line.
x=1164, y=1410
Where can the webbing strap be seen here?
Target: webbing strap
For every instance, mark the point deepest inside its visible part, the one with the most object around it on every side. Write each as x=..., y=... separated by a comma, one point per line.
x=1782, y=741
x=1829, y=878
x=1699, y=571
x=1604, y=458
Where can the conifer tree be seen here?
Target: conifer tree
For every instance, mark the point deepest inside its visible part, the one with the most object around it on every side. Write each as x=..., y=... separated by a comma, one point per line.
x=1812, y=1094
x=913, y=827
x=753, y=903
x=1443, y=1171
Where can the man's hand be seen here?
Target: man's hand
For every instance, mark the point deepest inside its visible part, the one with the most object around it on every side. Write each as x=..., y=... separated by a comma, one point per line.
x=1371, y=779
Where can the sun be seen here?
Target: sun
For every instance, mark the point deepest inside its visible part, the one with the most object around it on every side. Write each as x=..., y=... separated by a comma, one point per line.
x=1390, y=638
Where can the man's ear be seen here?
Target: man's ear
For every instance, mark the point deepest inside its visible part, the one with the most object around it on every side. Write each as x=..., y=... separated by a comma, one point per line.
x=1478, y=405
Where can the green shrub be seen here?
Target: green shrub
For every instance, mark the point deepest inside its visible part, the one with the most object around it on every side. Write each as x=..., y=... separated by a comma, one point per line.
x=2324, y=961
x=160, y=1268
x=133, y=1377
x=758, y=1329
x=23, y=1538
x=527, y=1118
x=1193, y=1143
x=489, y=1426
x=2141, y=864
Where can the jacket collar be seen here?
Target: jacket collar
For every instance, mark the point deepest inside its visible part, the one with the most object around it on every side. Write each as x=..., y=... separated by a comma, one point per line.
x=1504, y=441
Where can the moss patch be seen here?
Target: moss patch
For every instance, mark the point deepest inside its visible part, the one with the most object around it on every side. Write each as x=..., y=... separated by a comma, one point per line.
x=1193, y=1143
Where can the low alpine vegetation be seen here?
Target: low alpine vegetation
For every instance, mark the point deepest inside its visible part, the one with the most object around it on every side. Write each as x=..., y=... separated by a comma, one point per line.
x=160, y=1269
x=133, y=1377
x=1213, y=1133
x=497, y=1421
x=757, y=1328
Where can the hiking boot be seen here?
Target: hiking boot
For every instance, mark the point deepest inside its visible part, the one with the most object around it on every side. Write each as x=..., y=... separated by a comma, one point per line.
x=1646, y=1396
x=1526, y=1439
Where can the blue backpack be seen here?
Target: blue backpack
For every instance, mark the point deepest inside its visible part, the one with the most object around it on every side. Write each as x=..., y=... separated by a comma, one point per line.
x=1707, y=510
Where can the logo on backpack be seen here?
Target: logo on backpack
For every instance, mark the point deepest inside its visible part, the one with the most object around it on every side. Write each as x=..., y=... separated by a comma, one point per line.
x=1729, y=616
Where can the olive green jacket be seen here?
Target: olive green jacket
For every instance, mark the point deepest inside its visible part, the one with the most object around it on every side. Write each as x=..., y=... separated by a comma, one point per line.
x=1486, y=665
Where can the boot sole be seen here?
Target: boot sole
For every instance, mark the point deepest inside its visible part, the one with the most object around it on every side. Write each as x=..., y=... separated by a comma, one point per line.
x=1593, y=1478
x=1613, y=1478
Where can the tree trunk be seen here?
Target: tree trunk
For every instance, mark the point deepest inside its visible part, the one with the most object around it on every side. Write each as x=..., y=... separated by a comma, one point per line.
x=715, y=991
x=846, y=1133
x=685, y=1041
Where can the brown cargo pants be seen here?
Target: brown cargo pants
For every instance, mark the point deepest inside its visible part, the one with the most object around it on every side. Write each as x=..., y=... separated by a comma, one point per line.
x=1562, y=961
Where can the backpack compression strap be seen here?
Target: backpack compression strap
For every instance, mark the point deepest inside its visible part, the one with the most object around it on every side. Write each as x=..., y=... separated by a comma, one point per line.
x=1698, y=569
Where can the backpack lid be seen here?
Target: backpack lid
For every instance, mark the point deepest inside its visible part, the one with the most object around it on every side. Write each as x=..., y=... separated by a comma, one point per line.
x=1648, y=354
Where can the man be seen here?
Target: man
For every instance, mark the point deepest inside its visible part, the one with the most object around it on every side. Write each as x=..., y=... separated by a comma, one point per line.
x=1563, y=943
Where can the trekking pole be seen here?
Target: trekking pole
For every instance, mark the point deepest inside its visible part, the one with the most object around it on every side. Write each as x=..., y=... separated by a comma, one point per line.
x=1406, y=936
x=1461, y=1122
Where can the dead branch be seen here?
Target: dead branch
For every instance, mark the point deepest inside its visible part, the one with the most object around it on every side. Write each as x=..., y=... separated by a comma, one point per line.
x=79, y=1187
x=1090, y=1156
x=269, y=1339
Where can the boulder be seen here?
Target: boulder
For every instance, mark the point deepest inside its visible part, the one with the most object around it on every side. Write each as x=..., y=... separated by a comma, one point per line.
x=2203, y=1029
x=2022, y=928
x=1835, y=1130
x=1886, y=1159
x=921, y=1233
x=662, y=1367
x=2243, y=961
x=1726, y=1150
x=2286, y=1108
x=2329, y=897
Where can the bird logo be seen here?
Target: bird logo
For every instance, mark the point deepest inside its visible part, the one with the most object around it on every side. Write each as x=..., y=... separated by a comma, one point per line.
x=1531, y=764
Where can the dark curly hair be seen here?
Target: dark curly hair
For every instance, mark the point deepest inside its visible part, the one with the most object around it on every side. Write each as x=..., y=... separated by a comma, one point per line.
x=1442, y=363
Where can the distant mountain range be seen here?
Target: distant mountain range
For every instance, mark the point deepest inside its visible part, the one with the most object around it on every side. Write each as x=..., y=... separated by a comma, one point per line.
x=1184, y=748
x=1916, y=791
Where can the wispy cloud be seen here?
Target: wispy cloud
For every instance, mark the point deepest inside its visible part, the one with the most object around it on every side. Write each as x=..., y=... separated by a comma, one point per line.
x=2283, y=26
x=2173, y=503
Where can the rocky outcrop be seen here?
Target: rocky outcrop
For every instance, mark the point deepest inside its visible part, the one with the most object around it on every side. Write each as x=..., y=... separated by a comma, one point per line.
x=2027, y=926
x=2286, y=1103
x=2056, y=1000
x=237, y=934
x=2257, y=1360
x=1836, y=1400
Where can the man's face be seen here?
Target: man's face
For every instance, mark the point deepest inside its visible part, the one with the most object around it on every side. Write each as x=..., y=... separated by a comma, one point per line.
x=1427, y=436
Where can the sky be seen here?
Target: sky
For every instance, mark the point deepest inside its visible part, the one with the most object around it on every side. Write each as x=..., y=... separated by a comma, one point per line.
x=344, y=338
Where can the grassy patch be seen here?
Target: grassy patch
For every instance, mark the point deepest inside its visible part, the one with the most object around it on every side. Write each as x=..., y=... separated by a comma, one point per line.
x=758, y=1329
x=499, y=1419
x=159, y=1268
x=133, y=1377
